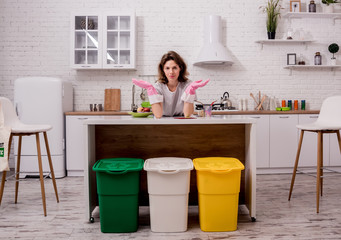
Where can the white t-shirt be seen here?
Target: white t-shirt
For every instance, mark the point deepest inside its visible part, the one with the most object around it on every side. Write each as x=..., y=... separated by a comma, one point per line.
x=172, y=103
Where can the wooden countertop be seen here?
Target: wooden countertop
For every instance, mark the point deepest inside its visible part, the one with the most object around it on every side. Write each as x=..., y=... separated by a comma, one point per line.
x=99, y=113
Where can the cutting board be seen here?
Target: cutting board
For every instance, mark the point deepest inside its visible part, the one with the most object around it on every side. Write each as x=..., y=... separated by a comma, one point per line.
x=112, y=100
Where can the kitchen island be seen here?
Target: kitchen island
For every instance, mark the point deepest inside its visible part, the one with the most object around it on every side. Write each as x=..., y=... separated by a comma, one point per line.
x=125, y=136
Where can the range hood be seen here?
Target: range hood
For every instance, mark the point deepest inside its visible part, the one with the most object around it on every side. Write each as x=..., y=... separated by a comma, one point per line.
x=213, y=52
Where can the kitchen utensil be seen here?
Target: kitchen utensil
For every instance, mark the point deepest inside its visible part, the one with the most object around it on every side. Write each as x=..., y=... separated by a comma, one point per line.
x=112, y=99
x=226, y=101
x=260, y=105
x=253, y=97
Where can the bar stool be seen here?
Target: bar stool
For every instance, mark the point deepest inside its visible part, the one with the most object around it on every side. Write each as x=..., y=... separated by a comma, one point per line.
x=20, y=129
x=328, y=121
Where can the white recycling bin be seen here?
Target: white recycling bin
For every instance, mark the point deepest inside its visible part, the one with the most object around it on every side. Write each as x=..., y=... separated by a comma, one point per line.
x=168, y=180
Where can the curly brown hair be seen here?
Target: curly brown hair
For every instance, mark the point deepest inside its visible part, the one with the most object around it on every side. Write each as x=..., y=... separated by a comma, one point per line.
x=171, y=55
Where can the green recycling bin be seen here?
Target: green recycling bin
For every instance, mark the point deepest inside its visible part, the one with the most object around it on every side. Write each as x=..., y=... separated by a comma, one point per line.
x=118, y=182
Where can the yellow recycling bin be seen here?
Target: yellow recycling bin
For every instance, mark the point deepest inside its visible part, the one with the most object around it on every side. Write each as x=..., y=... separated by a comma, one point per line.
x=218, y=183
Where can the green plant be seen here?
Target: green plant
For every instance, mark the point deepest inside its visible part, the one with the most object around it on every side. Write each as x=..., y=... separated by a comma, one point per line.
x=272, y=10
x=333, y=48
x=329, y=2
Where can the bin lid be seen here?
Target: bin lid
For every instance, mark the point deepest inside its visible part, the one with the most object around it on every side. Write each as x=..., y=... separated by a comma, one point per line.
x=118, y=164
x=168, y=164
x=217, y=163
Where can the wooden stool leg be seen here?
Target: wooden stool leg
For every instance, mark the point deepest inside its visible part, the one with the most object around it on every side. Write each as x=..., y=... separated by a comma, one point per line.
x=17, y=170
x=41, y=174
x=318, y=178
x=51, y=166
x=339, y=139
x=3, y=180
x=296, y=163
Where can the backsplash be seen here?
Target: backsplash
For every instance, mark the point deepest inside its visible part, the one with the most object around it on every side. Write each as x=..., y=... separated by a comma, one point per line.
x=35, y=41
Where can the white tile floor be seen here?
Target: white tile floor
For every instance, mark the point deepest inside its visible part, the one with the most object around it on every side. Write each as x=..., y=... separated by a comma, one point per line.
x=276, y=217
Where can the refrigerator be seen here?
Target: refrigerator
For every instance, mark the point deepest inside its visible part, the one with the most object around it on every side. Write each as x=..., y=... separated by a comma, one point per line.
x=42, y=100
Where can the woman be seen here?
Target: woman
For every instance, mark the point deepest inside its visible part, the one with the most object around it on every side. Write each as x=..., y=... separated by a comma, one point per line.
x=173, y=94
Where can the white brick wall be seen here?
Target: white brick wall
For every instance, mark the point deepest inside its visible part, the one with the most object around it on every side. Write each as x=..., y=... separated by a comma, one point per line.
x=35, y=39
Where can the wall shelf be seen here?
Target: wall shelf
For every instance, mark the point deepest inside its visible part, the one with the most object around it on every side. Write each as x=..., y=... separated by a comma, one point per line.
x=283, y=41
x=291, y=15
x=299, y=67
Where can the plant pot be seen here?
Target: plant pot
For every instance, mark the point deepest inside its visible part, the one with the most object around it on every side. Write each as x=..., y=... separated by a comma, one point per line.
x=328, y=8
x=333, y=61
x=271, y=35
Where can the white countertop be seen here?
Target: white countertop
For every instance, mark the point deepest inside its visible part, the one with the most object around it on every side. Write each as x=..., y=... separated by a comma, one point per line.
x=127, y=120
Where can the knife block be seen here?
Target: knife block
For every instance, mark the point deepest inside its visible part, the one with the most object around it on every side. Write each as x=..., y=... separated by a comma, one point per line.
x=112, y=100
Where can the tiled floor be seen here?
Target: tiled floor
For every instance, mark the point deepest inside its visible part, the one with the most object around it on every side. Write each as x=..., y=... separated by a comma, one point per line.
x=276, y=217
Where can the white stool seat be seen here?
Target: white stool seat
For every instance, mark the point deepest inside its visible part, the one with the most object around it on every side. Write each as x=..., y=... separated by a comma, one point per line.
x=25, y=128
x=316, y=126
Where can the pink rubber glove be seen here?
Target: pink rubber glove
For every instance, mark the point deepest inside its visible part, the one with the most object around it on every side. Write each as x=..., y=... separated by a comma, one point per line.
x=195, y=85
x=153, y=95
x=146, y=85
x=189, y=94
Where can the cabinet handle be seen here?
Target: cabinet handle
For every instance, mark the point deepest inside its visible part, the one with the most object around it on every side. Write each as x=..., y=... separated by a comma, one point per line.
x=284, y=117
x=86, y=66
x=313, y=116
x=255, y=117
x=82, y=118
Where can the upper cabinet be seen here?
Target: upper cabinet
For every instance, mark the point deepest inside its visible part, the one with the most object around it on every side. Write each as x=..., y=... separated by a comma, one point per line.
x=103, y=40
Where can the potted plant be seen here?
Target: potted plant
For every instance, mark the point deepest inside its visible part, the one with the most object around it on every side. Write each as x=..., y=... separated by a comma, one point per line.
x=328, y=5
x=333, y=48
x=272, y=10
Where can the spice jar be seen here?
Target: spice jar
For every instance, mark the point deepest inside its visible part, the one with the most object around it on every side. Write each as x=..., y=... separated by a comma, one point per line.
x=318, y=59
x=301, y=60
x=312, y=6
x=296, y=104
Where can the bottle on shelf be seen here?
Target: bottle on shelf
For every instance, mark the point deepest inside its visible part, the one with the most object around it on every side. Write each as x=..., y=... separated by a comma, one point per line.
x=312, y=6
x=301, y=60
x=318, y=59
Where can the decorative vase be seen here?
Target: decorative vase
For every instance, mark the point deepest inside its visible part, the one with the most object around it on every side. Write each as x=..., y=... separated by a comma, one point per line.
x=333, y=61
x=328, y=8
x=271, y=35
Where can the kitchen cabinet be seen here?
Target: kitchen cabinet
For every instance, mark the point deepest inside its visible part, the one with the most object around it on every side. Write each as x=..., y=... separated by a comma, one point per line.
x=263, y=140
x=283, y=140
x=103, y=40
x=75, y=152
x=308, y=156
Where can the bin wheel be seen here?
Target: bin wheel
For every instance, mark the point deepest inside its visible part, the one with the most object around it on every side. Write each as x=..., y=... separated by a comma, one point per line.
x=92, y=220
x=253, y=219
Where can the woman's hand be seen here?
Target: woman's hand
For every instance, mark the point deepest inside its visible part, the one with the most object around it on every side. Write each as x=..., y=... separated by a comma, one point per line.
x=189, y=94
x=153, y=95
x=146, y=85
x=195, y=85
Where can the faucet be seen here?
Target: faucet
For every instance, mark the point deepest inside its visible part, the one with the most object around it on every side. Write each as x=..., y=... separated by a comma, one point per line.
x=133, y=105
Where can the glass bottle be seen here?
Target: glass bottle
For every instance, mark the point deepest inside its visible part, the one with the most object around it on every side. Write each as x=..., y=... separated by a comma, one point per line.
x=301, y=60
x=312, y=6
x=318, y=59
